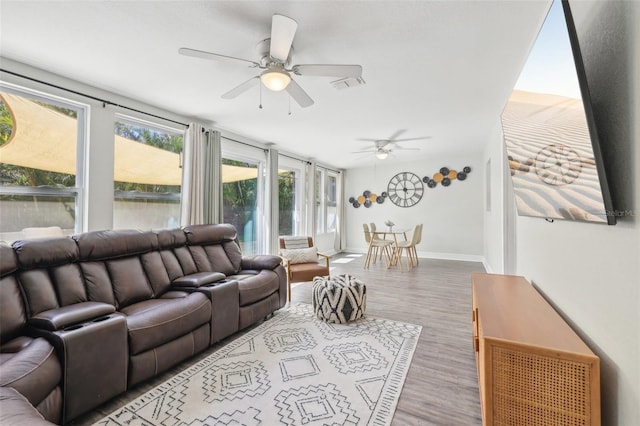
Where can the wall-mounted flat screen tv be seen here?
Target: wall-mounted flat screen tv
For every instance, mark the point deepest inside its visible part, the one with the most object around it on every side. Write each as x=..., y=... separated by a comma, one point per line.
x=550, y=134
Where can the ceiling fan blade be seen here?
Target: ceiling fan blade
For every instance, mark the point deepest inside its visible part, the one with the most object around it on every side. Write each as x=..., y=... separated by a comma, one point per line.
x=353, y=71
x=283, y=29
x=396, y=134
x=411, y=139
x=363, y=150
x=299, y=95
x=212, y=56
x=238, y=90
x=399, y=148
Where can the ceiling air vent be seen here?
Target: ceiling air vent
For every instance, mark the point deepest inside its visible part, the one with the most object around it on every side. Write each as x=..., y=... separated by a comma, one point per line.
x=345, y=83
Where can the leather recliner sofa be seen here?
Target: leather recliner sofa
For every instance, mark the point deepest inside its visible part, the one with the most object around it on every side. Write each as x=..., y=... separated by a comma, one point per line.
x=87, y=317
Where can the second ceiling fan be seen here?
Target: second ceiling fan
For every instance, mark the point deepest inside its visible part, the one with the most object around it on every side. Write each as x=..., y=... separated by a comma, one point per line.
x=275, y=61
x=383, y=147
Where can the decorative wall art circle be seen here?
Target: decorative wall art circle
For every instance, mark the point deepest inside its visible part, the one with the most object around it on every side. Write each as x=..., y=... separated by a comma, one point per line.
x=445, y=176
x=367, y=199
x=405, y=189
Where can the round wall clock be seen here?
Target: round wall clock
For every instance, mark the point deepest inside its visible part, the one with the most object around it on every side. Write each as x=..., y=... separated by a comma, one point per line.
x=405, y=189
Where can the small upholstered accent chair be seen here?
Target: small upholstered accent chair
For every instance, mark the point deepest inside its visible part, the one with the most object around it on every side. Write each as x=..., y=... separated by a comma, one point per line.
x=302, y=260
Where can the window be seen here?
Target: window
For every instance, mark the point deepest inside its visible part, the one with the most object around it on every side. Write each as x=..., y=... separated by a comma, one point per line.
x=332, y=206
x=326, y=201
x=147, y=175
x=320, y=198
x=42, y=142
x=287, y=202
x=243, y=189
x=291, y=196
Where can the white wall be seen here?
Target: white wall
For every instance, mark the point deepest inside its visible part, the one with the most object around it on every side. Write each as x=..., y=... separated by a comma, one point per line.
x=452, y=216
x=591, y=272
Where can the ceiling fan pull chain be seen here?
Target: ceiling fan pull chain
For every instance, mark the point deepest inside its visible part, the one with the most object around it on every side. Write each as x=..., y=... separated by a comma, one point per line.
x=260, y=106
x=289, y=104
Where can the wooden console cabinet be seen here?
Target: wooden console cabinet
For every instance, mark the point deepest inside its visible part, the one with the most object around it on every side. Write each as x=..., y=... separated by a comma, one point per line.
x=532, y=367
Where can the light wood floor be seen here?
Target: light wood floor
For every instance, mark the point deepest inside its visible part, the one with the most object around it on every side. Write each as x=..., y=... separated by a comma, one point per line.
x=441, y=387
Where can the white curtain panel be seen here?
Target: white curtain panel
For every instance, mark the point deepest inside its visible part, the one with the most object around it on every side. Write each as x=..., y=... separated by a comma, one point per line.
x=201, y=177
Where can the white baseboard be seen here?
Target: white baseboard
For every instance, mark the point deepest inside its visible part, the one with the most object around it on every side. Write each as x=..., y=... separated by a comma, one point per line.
x=434, y=255
x=451, y=256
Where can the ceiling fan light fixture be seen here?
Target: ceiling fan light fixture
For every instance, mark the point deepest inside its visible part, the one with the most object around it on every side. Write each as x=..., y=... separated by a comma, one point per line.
x=381, y=154
x=275, y=79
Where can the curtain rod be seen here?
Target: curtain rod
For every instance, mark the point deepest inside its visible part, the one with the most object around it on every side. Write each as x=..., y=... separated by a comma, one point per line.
x=329, y=169
x=104, y=101
x=243, y=143
x=280, y=153
x=296, y=158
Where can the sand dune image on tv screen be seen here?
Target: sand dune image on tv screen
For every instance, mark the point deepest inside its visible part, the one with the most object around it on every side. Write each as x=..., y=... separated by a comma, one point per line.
x=551, y=158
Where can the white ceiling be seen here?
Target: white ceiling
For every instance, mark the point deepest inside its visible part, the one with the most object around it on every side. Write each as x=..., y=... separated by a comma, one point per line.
x=442, y=69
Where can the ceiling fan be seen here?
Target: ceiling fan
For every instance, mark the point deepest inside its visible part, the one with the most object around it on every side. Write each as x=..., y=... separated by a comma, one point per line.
x=383, y=147
x=275, y=60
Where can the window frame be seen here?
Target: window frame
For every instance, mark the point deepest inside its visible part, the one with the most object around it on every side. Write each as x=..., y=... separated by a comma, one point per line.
x=152, y=125
x=82, y=140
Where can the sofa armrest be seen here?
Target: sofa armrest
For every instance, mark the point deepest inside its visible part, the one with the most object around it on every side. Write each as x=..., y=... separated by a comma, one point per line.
x=263, y=261
x=56, y=319
x=198, y=279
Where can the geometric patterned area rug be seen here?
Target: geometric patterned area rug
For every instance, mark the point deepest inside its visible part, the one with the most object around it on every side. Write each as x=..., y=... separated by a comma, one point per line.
x=292, y=369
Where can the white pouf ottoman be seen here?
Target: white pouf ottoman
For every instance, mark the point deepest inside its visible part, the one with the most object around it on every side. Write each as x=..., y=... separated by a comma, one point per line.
x=339, y=299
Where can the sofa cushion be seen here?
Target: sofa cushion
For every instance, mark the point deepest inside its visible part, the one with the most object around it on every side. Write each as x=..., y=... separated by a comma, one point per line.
x=171, y=238
x=12, y=310
x=34, y=371
x=154, y=322
x=256, y=285
x=100, y=245
x=210, y=234
x=16, y=410
x=129, y=281
x=8, y=260
x=45, y=253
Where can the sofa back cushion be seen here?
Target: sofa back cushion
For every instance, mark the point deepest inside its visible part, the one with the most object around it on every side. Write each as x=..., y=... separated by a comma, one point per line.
x=112, y=265
x=156, y=272
x=129, y=281
x=49, y=273
x=12, y=310
x=214, y=248
x=175, y=254
x=98, y=282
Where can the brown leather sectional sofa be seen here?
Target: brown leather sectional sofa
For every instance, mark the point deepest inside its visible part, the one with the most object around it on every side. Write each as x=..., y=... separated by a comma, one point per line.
x=85, y=318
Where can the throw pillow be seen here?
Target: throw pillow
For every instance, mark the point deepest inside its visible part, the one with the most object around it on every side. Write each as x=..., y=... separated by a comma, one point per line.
x=306, y=255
